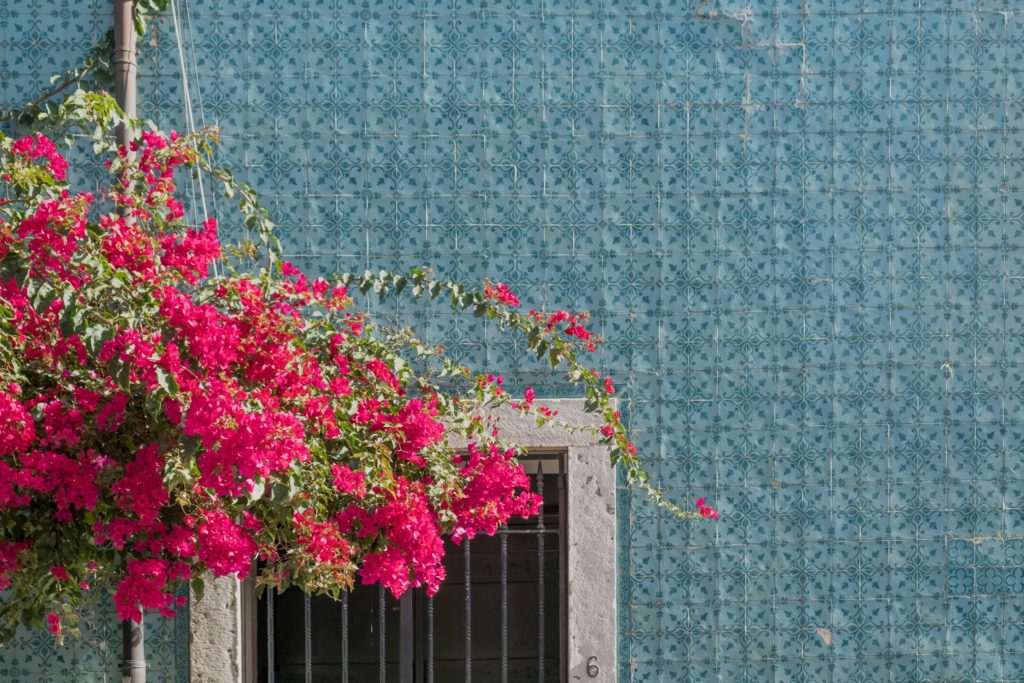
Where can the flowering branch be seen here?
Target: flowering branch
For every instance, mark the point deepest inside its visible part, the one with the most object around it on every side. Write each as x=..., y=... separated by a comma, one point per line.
x=159, y=421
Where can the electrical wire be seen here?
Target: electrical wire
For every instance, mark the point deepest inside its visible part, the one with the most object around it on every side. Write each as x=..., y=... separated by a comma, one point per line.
x=190, y=121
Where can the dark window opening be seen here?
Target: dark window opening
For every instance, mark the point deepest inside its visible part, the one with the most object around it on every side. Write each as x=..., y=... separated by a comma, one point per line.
x=509, y=625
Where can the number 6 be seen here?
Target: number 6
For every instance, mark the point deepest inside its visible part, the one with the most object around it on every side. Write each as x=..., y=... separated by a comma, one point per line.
x=592, y=668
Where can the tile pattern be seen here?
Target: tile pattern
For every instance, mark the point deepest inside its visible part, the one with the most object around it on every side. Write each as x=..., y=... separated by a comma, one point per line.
x=797, y=223
x=33, y=656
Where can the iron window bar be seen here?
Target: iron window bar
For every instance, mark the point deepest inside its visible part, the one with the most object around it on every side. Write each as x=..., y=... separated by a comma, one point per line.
x=414, y=653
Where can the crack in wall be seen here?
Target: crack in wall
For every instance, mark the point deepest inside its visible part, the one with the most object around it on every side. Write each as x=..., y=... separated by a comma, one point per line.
x=776, y=47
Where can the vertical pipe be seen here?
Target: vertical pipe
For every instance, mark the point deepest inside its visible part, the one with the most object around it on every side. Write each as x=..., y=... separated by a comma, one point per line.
x=469, y=611
x=381, y=642
x=344, y=637
x=430, y=640
x=270, y=634
x=125, y=67
x=133, y=663
x=307, y=628
x=247, y=625
x=133, y=645
x=540, y=575
x=504, y=606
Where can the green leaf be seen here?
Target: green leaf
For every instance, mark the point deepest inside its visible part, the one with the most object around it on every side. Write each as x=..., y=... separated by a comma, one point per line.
x=41, y=294
x=258, y=489
x=70, y=316
x=154, y=404
x=123, y=375
x=166, y=381
x=279, y=494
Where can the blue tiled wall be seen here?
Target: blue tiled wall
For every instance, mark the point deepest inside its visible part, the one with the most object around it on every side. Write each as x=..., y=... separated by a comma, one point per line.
x=95, y=657
x=798, y=225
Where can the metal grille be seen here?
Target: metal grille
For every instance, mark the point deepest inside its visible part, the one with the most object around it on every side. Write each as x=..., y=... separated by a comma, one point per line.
x=499, y=616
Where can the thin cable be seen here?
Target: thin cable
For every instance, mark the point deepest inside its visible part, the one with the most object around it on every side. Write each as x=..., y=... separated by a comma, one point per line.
x=187, y=17
x=190, y=121
x=191, y=179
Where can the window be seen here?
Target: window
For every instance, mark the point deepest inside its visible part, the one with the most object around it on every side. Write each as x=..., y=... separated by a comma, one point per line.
x=558, y=570
x=500, y=613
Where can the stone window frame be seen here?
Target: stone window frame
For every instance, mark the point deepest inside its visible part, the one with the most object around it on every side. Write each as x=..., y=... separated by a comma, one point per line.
x=222, y=633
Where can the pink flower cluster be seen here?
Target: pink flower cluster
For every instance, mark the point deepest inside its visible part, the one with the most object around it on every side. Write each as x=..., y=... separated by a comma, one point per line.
x=178, y=417
x=148, y=584
x=140, y=491
x=417, y=428
x=69, y=481
x=41, y=146
x=324, y=544
x=501, y=293
x=9, y=561
x=192, y=254
x=497, y=489
x=706, y=510
x=226, y=547
x=571, y=325
x=413, y=548
x=53, y=623
x=348, y=481
x=17, y=429
x=52, y=234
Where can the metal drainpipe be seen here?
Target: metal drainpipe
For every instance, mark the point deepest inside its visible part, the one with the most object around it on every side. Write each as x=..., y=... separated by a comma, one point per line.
x=125, y=66
x=133, y=665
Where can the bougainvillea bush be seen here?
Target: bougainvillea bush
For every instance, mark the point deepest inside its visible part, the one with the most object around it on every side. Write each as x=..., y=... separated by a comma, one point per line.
x=171, y=407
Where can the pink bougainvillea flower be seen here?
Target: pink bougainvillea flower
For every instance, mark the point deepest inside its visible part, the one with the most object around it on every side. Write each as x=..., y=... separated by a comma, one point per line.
x=176, y=418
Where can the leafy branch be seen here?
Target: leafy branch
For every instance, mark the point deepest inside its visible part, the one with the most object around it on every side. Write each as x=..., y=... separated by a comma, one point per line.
x=419, y=283
x=560, y=353
x=43, y=106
